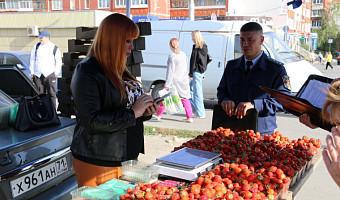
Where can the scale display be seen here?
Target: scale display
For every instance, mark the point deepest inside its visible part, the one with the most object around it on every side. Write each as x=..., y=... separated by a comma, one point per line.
x=188, y=158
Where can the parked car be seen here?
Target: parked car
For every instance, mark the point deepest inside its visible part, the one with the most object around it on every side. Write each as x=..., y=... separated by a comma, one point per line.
x=35, y=164
x=20, y=58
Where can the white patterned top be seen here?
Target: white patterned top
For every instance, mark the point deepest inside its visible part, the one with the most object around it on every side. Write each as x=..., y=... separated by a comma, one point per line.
x=133, y=95
x=177, y=74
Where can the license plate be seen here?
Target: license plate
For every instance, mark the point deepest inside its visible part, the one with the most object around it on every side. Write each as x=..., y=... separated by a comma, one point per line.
x=38, y=177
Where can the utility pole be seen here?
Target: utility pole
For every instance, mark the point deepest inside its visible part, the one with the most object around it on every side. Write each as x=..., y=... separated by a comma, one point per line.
x=128, y=8
x=191, y=10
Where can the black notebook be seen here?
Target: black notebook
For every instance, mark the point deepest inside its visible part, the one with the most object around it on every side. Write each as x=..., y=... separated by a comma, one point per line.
x=221, y=119
x=309, y=99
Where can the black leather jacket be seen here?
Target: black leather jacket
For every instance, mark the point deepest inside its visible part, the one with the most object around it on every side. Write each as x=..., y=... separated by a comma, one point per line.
x=106, y=130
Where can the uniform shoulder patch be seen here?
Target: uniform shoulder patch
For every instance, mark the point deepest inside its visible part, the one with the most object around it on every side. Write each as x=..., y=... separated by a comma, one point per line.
x=274, y=61
x=286, y=82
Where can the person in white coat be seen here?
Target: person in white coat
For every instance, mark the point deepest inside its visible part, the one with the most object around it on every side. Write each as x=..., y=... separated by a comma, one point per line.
x=45, y=65
x=177, y=76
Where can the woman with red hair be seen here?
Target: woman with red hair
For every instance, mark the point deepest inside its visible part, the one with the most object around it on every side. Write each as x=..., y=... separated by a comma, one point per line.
x=110, y=104
x=177, y=76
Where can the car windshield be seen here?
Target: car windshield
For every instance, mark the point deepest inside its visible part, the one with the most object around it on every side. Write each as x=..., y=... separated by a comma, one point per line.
x=280, y=49
x=26, y=58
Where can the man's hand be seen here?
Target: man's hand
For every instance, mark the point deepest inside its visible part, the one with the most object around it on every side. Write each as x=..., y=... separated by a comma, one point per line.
x=331, y=155
x=305, y=119
x=228, y=107
x=242, y=108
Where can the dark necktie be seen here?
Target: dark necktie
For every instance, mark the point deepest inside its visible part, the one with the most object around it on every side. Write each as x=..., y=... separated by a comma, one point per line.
x=248, y=63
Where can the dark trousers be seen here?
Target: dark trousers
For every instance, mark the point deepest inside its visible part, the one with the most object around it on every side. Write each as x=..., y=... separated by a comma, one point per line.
x=328, y=64
x=47, y=85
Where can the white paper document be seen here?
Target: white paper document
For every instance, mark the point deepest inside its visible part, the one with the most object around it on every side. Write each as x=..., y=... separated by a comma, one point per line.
x=315, y=92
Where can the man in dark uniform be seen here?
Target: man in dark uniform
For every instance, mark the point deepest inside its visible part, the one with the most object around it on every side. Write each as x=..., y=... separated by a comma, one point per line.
x=239, y=89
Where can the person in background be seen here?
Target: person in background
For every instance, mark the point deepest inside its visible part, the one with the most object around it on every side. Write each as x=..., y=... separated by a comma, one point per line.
x=110, y=105
x=177, y=76
x=313, y=56
x=198, y=65
x=239, y=90
x=320, y=57
x=329, y=59
x=45, y=65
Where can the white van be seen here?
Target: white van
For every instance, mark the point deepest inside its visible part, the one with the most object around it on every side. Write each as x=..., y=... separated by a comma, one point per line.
x=222, y=38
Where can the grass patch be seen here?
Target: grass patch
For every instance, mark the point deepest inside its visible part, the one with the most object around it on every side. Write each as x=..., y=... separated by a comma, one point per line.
x=149, y=130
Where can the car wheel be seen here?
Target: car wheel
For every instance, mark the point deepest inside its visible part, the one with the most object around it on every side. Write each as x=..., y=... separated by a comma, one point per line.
x=156, y=89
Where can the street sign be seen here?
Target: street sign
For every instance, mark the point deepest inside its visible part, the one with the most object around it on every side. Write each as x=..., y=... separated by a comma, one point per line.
x=314, y=35
x=330, y=41
x=308, y=34
x=315, y=42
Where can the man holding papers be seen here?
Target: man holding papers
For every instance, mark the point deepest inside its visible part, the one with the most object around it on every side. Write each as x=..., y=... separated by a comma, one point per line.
x=239, y=89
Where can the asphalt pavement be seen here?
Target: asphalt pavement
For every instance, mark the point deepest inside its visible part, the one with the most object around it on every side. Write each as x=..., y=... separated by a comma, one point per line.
x=318, y=186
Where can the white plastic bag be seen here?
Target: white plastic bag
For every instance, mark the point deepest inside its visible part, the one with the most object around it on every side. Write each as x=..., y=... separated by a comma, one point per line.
x=173, y=103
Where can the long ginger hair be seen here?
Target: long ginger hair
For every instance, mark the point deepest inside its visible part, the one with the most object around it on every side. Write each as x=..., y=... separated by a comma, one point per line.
x=108, y=48
x=174, y=43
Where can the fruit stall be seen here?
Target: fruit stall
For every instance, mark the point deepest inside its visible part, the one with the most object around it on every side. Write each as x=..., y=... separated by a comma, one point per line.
x=220, y=164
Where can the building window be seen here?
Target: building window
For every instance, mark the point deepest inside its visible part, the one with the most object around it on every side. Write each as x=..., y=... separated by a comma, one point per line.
x=10, y=4
x=72, y=4
x=209, y=2
x=57, y=4
x=317, y=13
x=179, y=4
x=103, y=4
x=87, y=4
x=2, y=5
x=25, y=4
x=134, y=3
x=308, y=13
x=39, y=5
x=318, y=1
x=185, y=3
x=316, y=24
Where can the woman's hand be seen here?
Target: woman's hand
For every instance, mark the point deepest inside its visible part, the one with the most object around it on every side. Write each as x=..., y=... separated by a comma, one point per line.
x=331, y=155
x=141, y=105
x=152, y=109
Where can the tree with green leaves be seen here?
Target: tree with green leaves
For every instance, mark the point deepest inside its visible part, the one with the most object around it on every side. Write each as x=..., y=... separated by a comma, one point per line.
x=329, y=29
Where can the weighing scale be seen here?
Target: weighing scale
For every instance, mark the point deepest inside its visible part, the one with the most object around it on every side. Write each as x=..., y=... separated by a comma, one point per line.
x=187, y=164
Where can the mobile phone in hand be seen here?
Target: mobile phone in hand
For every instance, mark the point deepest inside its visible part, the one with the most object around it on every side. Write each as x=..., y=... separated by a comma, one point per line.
x=158, y=99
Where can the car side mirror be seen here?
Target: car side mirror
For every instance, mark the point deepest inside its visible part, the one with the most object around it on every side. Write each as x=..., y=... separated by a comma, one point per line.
x=20, y=66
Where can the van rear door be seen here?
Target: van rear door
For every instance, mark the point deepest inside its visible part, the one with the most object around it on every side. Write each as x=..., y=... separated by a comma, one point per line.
x=217, y=45
x=155, y=59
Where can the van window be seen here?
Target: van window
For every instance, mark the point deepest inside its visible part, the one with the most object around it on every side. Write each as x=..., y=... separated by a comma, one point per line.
x=280, y=49
x=238, y=50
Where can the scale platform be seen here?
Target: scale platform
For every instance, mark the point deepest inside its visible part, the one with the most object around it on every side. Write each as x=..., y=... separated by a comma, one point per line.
x=190, y=174
x=188, y=158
